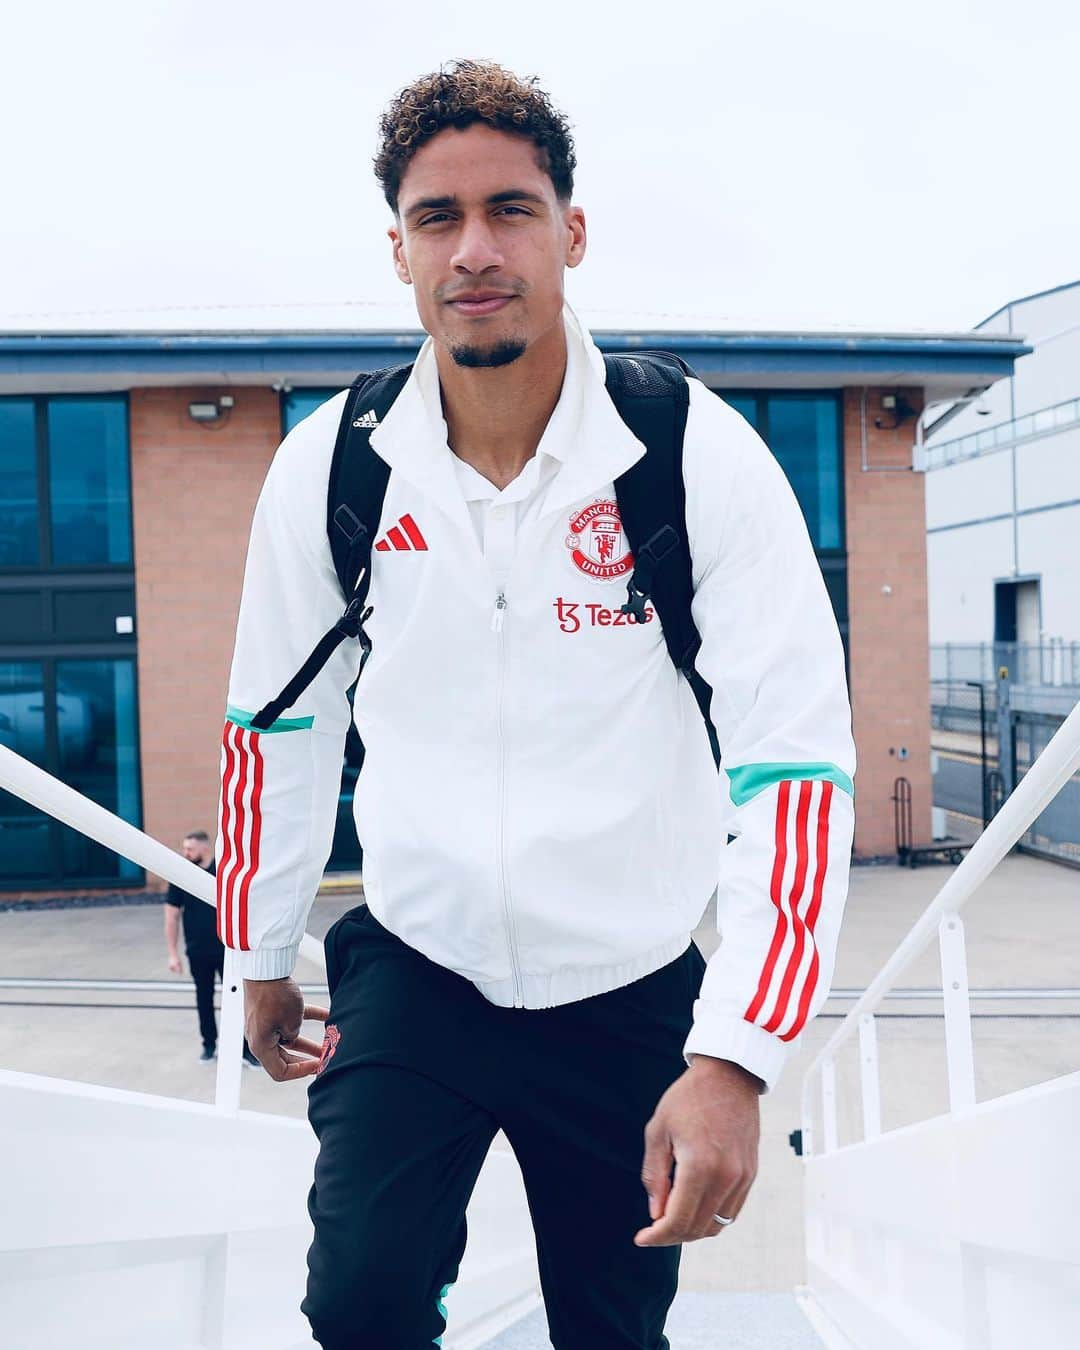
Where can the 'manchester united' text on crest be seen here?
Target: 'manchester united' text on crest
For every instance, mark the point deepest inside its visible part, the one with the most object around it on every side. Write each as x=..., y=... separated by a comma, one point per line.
x=598, y=547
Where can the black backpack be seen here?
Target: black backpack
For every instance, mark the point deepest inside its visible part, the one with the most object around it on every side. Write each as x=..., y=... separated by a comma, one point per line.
x=650, y=393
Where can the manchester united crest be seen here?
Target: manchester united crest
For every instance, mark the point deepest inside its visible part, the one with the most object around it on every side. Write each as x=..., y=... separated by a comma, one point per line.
x=598, y=546
x=329, y=1045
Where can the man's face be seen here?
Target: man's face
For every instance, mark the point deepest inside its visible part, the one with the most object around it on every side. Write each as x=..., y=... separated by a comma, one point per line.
x=196, y=850
x=484, y=240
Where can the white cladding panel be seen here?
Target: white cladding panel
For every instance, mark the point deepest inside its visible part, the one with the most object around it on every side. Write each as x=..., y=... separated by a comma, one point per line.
x=969, y=489
x=961, y=566
x=1048, y=470
x=1050, y=548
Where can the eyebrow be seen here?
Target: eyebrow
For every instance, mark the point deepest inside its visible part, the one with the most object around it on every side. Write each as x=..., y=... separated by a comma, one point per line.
x=495, y=199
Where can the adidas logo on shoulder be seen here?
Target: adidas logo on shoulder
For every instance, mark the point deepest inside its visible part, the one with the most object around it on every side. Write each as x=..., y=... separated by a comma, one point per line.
x=367, y=421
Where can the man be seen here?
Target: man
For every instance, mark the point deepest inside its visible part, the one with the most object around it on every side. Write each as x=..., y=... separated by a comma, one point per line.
x=205, y=953
x=541, y=817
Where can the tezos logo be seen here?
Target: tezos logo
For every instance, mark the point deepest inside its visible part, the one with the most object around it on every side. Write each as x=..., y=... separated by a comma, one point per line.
x=598, y=547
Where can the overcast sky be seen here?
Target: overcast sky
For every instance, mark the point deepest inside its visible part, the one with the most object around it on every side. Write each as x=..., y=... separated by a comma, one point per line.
x=897, y=165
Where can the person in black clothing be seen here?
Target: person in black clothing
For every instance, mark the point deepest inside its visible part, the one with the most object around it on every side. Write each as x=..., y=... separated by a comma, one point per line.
x=205, y=952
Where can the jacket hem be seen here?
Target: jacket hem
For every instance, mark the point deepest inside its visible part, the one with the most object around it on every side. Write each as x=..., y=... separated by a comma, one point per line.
x=576, y=982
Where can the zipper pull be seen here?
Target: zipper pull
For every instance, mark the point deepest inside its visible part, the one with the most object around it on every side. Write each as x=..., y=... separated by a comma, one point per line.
x=497, y=616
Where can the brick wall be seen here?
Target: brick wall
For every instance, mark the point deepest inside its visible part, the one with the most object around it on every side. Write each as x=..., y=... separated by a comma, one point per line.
x=888, y=634
x=193, y=493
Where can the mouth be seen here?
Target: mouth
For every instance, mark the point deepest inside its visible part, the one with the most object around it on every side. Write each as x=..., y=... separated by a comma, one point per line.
x=482, y=303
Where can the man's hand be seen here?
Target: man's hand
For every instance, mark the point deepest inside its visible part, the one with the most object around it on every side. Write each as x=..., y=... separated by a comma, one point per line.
x=174, y=964
x=707, y=1123
x=273, y=1013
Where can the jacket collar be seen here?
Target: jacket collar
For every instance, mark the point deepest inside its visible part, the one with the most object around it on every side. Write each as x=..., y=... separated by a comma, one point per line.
x=584, y=431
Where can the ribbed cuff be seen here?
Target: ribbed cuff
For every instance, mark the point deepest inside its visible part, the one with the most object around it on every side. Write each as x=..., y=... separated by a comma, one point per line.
x=724, y=1036
x=266, y=963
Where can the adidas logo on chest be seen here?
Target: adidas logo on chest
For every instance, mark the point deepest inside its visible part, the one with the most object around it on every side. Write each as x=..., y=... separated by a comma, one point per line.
x=404, y=537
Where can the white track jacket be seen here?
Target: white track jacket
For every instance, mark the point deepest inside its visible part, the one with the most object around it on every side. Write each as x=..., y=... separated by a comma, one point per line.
x=538, y=807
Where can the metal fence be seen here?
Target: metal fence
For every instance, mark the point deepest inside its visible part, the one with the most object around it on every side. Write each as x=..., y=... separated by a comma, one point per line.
x=985, y=735
x=1055, y=662
x=964, y=738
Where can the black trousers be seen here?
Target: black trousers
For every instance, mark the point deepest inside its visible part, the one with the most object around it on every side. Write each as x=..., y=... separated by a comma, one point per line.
x=419, y=1072
x=205, y=965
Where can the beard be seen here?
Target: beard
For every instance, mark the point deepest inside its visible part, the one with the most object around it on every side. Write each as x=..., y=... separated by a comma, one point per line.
x=500, y=353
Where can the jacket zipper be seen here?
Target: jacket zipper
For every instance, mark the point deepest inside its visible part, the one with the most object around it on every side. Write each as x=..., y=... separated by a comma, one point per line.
x=497, y=629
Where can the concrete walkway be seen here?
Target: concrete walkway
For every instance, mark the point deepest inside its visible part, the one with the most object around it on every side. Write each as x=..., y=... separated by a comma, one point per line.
x=702, y=1322
x=1023, y=931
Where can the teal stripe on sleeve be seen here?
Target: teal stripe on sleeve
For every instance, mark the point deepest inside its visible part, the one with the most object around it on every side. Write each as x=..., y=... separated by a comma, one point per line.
x=747, y=780
x=243, y=719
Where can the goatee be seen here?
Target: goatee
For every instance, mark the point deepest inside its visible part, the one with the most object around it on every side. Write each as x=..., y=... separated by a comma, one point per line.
x=500, y=353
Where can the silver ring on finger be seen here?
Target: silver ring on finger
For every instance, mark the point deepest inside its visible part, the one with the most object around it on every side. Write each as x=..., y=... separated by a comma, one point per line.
x=721, y=1220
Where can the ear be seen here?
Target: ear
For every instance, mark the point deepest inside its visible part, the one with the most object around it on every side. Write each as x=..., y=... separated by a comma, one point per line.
x=574, y=218
x=401, y=265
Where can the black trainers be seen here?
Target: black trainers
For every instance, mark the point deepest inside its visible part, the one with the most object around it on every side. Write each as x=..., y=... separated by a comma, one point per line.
x=208, y=1052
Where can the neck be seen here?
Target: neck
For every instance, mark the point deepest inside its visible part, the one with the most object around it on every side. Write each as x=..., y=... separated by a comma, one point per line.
x=496, y=416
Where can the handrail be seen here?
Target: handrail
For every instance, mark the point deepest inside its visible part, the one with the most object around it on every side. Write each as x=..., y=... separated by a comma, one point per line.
x=1053, y=768
x=49, y=794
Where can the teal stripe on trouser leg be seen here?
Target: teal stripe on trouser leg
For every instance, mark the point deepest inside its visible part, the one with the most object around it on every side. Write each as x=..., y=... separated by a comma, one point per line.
x=442, y=1310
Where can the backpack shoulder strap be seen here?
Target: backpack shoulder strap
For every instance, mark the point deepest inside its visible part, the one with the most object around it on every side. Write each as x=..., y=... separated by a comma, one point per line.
x=354, y=502
x=651, y=396
x=358, y=477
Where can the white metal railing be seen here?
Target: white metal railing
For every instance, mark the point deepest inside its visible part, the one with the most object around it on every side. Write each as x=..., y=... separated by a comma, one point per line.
x=985, y=440
x=848, y=1288
x=100, y=1251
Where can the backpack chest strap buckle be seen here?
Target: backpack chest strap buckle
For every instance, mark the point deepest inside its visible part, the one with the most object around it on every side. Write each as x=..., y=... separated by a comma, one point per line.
x=647, y=559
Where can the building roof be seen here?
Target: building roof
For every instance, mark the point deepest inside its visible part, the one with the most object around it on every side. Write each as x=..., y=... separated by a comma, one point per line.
x=325, y=345
x=1026, y=299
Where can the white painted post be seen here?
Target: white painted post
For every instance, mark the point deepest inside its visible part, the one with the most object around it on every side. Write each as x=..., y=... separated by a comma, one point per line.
x=868, y=1072
x=230, y=1039
x=959, y=1051
x=828, y=1104
x=807, y=1120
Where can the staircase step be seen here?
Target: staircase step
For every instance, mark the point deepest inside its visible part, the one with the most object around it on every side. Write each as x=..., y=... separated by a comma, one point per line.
x=702, y=1322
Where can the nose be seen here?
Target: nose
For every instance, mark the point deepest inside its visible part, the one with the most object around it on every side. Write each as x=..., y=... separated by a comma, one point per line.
x=477, y=248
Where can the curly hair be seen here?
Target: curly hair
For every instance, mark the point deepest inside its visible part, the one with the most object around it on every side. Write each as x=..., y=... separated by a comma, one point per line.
x=464, y=92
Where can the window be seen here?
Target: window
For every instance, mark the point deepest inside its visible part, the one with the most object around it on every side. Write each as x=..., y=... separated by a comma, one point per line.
x=67, y=651
x=67, y=494
x=77, y=720
x=19, y=541
x=299, y=403
x=803, y=432
x=90, y=503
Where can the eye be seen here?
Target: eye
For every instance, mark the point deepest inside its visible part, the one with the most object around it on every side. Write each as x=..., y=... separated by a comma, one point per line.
x=520, y=209
x=435, y=219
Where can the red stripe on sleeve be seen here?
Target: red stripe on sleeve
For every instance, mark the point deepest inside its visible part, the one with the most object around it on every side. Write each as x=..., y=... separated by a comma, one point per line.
x=413, y=531
x=802, y=845
x=382, y=546
x=779, y=863
x=238, y=836
x=397, y=539
x=226, y=833
x=256, y=832
x=812, y=913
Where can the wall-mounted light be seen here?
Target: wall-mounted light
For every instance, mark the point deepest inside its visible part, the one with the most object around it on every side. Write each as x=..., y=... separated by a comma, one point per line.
x=898, y=409
x=209, y=412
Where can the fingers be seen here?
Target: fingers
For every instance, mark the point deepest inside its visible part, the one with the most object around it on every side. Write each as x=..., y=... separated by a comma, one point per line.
x=682, y=1207
x=656, y=1168
x=695, y=1198
x=308, y=1047
x=312, y=1014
